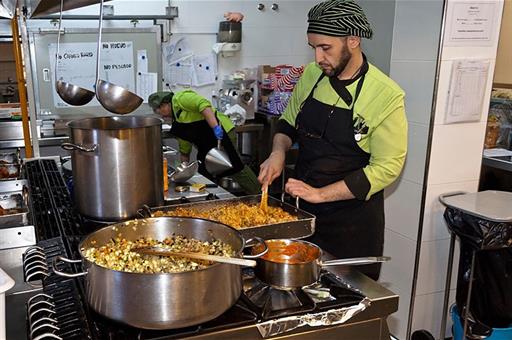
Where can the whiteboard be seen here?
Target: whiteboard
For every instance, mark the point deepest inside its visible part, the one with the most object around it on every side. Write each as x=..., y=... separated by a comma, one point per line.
x=120, y=64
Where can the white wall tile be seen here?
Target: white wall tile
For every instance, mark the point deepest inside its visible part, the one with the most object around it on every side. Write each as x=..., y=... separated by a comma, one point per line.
x=428, y=311
x=433, y=266
x=417, y=27
x=456, y=153
x=402, y=208
x=397, y=276
x=416, y=78
x=417, y=142
x=269, y=18
x=443, y=87
x=398, y=272
x=434, y=225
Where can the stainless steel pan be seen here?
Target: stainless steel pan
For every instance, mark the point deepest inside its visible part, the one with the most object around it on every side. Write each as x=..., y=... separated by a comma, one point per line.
x=296, y=263
x=168, y=300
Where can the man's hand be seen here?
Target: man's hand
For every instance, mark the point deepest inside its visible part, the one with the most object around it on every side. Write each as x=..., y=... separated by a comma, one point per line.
x=305, y=191
x=271, y=168
x=234, y=16
x=184, y=158
x=217, y=131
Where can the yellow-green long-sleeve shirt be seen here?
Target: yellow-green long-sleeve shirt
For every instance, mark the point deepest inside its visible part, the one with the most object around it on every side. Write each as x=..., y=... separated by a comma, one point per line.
x=187, y=106
x=381, y=105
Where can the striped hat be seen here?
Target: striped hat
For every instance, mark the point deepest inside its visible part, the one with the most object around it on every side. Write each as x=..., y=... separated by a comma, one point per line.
x=339, y=18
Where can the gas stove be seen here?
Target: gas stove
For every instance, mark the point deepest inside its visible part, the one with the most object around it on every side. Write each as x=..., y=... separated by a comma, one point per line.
x=56, y=307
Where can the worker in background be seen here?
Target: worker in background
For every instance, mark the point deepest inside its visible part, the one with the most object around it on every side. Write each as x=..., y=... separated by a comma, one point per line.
x=349, y=121
x=195, y=121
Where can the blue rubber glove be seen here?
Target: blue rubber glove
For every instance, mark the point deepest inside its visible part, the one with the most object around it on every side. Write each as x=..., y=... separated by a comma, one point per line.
x=217, y=131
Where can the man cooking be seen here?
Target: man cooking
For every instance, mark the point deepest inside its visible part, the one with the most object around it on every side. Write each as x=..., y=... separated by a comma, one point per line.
x=349, y=122
x=195, y=121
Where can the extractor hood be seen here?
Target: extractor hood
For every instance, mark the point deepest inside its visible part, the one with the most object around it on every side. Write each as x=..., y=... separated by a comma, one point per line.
x=7, y=8
x=39, y=8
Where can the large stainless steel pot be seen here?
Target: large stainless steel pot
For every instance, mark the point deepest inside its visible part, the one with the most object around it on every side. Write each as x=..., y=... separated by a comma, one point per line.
x=117, y=165
x=296, y=263
x=162, y=301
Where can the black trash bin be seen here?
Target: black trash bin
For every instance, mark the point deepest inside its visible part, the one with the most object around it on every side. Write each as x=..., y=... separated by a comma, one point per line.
x=490, y=243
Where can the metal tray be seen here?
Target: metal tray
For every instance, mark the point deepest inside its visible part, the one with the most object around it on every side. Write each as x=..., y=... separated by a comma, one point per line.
x=15, y=209
x=302, y=228
x=9, y=172
x=10, y=158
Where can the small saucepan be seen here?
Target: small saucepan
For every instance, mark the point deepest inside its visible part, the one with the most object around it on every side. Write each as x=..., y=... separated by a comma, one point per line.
x=295, y=263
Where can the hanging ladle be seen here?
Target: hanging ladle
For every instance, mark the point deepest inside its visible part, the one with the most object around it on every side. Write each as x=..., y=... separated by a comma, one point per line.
x=71, y=94
x=114, y=98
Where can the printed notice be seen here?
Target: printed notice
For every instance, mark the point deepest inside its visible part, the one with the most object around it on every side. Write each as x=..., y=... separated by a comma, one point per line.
x=472, y=23
x=146, y=84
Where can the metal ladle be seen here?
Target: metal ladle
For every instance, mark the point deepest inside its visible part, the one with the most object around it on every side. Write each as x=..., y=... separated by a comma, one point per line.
x=217, y=160
x=71, y=94
x=114, y=98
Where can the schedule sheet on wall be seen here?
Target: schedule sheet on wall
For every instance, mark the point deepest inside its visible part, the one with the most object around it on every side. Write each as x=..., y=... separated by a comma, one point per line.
x=467, y=88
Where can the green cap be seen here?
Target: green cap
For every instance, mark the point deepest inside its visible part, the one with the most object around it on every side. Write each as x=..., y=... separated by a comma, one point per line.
x=159, y=98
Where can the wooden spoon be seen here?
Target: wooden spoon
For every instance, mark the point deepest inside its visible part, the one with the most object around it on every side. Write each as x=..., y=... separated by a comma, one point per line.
x=198, y=256
x=264, y=198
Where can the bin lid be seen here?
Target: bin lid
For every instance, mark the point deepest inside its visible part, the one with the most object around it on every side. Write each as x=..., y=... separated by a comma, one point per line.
x=491, y=205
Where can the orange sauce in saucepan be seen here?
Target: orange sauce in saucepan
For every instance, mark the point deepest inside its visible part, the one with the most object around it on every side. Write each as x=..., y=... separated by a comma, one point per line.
x=289, y=253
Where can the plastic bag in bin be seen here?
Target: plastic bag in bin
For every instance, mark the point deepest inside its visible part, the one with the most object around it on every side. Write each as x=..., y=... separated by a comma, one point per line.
x=491, y=295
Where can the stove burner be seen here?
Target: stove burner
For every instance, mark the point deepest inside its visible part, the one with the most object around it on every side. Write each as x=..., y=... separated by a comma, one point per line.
x=274, y=302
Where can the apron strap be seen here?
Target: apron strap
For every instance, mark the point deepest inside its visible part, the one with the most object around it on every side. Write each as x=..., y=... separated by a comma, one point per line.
x=358, y=90
x=310, y=95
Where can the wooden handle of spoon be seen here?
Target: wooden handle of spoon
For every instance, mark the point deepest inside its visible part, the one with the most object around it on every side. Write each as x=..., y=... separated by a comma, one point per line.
x=197, y=256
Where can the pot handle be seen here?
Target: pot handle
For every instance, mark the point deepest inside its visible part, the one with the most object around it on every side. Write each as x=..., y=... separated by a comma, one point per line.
x=297, y=198
x=167, y=150
x=257, y=240
x=356, y=261
x=84, y=148
x=60, y=273
x=144, y=212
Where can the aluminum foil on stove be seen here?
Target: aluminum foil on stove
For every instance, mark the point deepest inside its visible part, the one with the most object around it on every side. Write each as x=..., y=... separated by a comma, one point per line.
x=327, y=318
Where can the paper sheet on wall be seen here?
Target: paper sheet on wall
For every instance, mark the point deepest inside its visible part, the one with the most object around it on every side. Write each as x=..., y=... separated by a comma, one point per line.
x=204, y=70
x=117, y=64
x=467, y=88
x=77, y=65
x=142, y=61
x=180, y=73
x=147, y=83
x=175, y=51
x=471, y=23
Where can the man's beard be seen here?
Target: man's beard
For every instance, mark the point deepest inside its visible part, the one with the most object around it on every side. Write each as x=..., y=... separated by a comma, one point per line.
x=344, y=59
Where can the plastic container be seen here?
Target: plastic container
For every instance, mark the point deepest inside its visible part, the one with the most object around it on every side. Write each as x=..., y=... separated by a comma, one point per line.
x=497, y=333
x=6, y=283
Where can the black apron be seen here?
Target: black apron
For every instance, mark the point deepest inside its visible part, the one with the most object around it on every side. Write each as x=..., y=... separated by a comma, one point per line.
x=328, y=152
x=201, y=135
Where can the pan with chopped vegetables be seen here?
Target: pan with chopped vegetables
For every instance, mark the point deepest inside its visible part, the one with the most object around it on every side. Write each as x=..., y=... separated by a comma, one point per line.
x=160, y=292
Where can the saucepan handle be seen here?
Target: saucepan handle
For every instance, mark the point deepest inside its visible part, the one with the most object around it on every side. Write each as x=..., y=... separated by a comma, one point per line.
x=250, y=243
x=84, y=148
x=356, y=261
x=61, y=273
